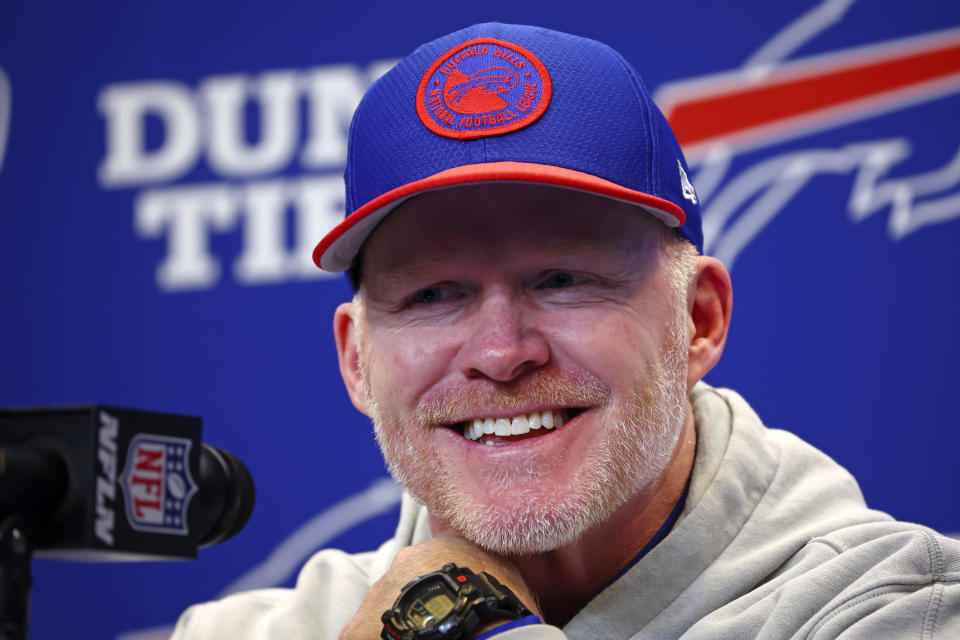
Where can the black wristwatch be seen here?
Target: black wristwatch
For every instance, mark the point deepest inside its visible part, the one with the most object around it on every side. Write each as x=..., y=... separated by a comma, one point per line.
x=449, y=604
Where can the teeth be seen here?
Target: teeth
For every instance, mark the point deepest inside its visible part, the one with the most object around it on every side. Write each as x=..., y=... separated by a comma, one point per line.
x=546, y=419
x=518, y=425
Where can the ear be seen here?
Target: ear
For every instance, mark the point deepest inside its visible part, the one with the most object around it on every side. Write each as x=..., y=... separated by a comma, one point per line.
x=710, y=302
x=346, y=332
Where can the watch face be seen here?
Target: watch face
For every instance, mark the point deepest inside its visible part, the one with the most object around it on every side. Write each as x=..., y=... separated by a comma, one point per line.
x=430, y=604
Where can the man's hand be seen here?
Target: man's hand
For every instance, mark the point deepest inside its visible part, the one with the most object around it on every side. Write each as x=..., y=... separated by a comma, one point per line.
x=423, y=558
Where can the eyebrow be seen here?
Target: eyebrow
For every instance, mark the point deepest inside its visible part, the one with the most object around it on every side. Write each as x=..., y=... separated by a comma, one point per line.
x=420, y=265
x=389, y=278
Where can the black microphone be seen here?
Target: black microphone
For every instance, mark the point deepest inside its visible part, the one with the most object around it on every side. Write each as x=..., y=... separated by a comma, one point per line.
x=104, y=483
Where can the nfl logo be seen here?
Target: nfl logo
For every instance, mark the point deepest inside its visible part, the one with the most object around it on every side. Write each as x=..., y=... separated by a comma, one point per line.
x=157, y=485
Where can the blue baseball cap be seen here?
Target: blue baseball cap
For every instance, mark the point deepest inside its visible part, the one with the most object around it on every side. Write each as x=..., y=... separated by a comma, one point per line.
x=509, y=103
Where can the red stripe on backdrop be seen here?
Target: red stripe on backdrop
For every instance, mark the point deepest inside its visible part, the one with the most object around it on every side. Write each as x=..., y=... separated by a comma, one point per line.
x=718, y=113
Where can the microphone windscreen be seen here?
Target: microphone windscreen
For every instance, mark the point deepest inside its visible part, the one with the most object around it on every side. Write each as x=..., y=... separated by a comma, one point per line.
x=234, y=485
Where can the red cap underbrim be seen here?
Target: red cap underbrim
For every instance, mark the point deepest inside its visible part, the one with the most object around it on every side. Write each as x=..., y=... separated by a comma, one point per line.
x=335, y=252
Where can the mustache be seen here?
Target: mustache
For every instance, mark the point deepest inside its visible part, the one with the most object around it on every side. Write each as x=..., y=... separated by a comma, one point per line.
x=547, y=389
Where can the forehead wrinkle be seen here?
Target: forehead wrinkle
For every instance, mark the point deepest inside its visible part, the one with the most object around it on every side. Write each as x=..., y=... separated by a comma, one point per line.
x=548, y=251
x=418, y=242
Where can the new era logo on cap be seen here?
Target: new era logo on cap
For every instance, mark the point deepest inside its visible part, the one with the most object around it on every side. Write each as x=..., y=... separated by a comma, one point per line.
x=686, y=186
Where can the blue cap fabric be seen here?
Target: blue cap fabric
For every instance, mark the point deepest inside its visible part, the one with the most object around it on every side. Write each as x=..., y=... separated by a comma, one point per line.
x=495, y=103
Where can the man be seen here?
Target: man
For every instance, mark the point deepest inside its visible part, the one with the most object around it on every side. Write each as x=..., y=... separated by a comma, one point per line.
x=531, y=324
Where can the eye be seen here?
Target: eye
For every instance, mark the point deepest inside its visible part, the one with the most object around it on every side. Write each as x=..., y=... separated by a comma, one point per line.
x=560, y=280
x=430, y=295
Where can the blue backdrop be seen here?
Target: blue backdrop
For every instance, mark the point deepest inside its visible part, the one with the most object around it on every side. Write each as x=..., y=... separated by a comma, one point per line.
x=166, y=169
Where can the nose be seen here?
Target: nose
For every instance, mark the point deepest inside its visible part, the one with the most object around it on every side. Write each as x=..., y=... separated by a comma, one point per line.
x=502, y=343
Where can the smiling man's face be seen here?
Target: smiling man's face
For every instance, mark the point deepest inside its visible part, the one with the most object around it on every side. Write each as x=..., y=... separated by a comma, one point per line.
x=511, y=307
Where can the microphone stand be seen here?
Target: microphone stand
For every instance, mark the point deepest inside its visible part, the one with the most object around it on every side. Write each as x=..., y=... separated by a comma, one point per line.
x=24, y=505
x=16, y=554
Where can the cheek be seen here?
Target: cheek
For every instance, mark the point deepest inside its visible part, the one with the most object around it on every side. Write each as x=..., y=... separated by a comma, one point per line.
x=407, y=365
x=613, y=346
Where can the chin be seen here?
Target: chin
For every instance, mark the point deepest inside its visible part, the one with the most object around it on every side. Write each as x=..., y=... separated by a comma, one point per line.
x=537, y=519
x=519, y=527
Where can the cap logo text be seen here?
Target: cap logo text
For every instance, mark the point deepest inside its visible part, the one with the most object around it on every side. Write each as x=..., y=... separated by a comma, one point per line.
x=483, y=87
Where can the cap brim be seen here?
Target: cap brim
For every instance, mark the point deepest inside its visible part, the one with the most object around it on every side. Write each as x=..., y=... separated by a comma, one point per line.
x=336, y=251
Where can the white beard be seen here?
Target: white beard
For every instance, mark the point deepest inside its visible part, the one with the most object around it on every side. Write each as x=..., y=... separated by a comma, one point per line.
x=637, y=444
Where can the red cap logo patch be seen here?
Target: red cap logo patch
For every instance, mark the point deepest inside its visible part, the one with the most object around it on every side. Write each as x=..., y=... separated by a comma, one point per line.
x=484, y=87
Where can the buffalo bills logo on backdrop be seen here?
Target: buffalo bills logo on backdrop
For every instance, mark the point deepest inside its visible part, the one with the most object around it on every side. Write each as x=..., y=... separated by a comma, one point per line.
x=157, y=485
x=481, y=88
x=778, y=98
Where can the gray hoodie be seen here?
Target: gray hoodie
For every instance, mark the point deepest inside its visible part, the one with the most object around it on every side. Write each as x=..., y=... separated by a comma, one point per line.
x=774, y=541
